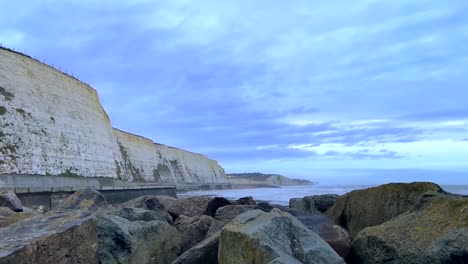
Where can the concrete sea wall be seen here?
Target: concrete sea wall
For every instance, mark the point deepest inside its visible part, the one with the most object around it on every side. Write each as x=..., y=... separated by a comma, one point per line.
x=53, y=124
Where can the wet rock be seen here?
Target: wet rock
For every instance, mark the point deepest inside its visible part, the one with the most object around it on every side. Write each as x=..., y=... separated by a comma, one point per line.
x=275, y=237
x=215, y=204
x=192, y=206
x=435, y=231
x=56, y=237
x=202, y=253
x=85, y=199
x=135, y=242
x=193, y=229
x=10, y=200
x=370, y=207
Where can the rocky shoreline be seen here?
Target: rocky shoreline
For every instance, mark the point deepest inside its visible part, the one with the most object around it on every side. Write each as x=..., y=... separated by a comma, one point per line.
x=393, y=223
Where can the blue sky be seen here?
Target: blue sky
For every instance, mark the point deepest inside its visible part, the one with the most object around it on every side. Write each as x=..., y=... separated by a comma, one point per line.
x=295, y=87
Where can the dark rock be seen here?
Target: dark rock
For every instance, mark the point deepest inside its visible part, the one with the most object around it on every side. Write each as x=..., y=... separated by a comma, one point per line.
x=10, y=200
x=246, y=201
x=264, y=206
x=192, y=206
x=125, y=241
x=313, y=204
x=85, y=199
x=275, y=237
x=215, y=204
x=370, y=207
x=140, y=214
x=434, y=231
x=335, y=236
x=193, y=229
x=55, y=237
x=205, y=252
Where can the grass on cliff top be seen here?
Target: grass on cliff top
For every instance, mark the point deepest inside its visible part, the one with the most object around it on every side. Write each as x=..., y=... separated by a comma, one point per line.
x=2, y=110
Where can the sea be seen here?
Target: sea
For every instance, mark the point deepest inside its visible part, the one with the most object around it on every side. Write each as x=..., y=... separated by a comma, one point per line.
x=282, y=195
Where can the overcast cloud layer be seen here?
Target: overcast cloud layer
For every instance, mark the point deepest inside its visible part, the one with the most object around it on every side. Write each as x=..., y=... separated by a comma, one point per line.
x=290, y=87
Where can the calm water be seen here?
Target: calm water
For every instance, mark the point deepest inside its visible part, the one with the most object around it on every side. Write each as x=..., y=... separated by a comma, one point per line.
x=282, y=195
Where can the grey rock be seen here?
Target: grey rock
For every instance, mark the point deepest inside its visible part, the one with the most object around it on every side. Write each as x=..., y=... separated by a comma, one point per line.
x=229, y=212
x=150, y=202
x=85, y=199
x=55, y=237
x=124, y=241
x=205, y=252
x=10, y=200
x=276, y=237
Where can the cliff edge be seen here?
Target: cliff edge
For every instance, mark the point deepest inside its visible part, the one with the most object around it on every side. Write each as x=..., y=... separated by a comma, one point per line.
x=53, y=124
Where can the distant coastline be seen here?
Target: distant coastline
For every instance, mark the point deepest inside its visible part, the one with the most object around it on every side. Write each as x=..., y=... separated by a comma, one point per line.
x=261, y=180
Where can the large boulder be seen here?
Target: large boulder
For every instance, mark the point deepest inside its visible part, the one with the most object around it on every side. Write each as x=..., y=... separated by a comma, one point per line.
x=205, y=252
x=125, y=241
x=193, y=229
x=435, y=231
x=6, y=212
x=85, y=199
x=215, y=204
x=10, y=200
x=192, y=206
x=55, y=237
x=313, y=204
x=370, y=207
x=335, y=236
x=276, y=237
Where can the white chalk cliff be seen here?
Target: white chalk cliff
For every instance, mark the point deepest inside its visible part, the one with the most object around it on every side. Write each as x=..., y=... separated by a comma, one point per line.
x=54, y=124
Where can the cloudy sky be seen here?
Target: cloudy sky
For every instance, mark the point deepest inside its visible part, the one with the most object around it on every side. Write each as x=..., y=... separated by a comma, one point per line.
x=313, y=89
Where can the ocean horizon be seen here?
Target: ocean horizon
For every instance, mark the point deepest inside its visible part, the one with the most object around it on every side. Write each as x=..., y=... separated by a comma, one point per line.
x=283, y=194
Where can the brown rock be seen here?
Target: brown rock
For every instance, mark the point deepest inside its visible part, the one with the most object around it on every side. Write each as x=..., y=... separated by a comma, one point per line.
x=192, y=206
x=56, y=237
x=370, y=207
x=215, y=204
x=193, y=229
x=85, y=199
x=246, y=201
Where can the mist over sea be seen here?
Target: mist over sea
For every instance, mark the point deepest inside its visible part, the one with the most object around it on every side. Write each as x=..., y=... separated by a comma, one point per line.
x=282, y=195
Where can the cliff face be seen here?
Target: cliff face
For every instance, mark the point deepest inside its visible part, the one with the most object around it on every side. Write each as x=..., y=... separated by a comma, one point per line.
x=51, y=123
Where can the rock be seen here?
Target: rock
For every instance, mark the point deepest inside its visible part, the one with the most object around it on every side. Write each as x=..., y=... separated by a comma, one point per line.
x=14, y=218
x=125, y=241
x=435, y=231
x=85, y=199
x=370, y=207
x=56, y=237
x=313, y=204
x=140, y=214
x=193, y=229
x=6, y=212
x=246, y=201
x=264, y=206
x=10, y=200
x=227, y=213
x=205, y=252
x=335, y=236
x=215, y=204
x=275, y=237
x=192, y=206
x=150, y=202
